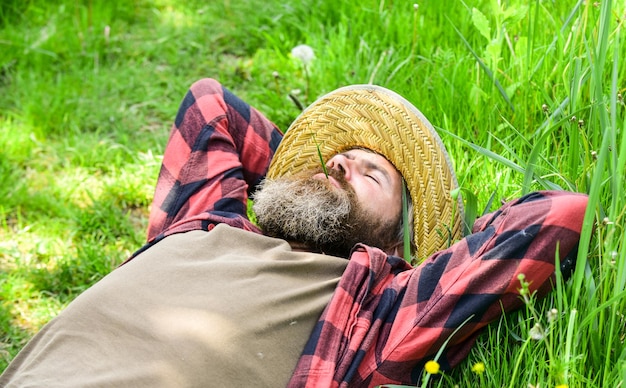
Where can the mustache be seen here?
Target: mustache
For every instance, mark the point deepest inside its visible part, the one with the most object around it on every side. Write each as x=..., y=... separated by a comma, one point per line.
x=337, y=175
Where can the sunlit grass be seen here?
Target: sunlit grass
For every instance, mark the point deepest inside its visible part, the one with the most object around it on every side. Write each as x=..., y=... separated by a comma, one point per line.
x=526, y=96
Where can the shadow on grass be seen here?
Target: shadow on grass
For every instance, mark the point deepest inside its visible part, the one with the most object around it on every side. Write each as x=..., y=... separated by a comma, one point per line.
x=40, y=284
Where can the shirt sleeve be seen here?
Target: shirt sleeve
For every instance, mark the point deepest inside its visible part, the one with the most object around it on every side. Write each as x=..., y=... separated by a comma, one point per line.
x=218, y=151
x=386, y=320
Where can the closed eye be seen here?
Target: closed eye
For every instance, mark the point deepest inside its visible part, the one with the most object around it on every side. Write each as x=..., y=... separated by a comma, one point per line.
x=372, y=178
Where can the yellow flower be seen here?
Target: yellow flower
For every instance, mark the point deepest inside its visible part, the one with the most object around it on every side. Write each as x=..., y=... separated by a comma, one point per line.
x=478, y=368
x=562, y=386
x=432, y=367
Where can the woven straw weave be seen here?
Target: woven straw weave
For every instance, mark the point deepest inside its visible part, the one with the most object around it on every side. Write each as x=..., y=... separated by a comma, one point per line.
x=376, y=118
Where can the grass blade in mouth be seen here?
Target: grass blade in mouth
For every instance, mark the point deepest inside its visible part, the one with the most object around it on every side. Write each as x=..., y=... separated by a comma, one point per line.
x=319, y=153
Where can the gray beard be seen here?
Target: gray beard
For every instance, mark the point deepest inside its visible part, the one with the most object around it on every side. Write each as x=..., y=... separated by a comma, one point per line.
x=315, y=213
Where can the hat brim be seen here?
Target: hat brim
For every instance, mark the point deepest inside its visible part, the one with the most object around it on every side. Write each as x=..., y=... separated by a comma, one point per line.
x=376, y=118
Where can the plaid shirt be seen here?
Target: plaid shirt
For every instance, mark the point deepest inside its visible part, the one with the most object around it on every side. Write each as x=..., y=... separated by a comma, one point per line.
x=386, y=318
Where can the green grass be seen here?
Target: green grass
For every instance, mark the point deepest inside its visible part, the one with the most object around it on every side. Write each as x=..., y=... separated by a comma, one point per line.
x=527, y=95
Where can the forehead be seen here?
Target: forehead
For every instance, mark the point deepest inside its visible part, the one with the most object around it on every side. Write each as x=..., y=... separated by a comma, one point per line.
x=373, y=156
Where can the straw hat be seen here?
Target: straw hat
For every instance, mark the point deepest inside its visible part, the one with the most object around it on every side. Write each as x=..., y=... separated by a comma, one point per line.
x=379, y=119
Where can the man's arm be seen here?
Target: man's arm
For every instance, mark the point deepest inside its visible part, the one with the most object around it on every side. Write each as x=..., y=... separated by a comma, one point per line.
x=470, y=285
x=219, y=149
x=386, y=320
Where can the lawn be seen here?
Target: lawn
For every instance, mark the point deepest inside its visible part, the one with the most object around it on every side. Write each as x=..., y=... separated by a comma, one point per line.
x=525, y=95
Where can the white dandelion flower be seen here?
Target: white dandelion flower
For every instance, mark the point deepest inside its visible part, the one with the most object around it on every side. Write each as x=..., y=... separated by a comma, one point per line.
x=537, y=332
x=304, y=53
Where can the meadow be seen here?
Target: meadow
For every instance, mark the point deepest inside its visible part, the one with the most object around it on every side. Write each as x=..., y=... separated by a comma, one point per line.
x=526, y=95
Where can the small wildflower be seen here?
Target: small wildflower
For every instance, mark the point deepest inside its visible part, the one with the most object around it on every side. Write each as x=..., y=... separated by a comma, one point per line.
x=536, y=332
x=606, y=221
x=275, y=74
x=574, y=119
x=524, y=290
x=415, y=6
x=581, y=123
x=304, y=53
x=562, y=386
x=544, y=108
x=432, y=367
x=107, y=34
x=552, y=315
x=594, y=155
x=478, y=368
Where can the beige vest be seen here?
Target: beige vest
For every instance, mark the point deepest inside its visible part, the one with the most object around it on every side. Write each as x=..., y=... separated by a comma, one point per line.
x=228, y=308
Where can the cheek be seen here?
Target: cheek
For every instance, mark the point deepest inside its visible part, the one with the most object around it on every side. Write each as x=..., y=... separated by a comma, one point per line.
x=389, y=207
x=393, y=209
x=378, y=203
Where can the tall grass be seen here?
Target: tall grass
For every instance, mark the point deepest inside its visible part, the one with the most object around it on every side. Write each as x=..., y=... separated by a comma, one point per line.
x=527, y=95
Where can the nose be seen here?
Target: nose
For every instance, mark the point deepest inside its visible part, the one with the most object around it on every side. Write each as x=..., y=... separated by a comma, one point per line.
x=342, y=164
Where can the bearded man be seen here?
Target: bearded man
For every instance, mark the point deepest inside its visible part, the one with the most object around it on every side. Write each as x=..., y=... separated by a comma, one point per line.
x=316, y=294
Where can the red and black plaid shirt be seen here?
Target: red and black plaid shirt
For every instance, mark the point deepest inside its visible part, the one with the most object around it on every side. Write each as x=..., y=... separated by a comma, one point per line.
x=386, y=318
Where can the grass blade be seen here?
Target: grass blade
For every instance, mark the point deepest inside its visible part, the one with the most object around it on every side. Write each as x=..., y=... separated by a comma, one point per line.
x=485, y=68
